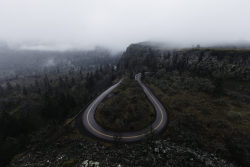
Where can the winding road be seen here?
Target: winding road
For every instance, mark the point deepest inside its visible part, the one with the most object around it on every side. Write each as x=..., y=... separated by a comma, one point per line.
x=89, y=123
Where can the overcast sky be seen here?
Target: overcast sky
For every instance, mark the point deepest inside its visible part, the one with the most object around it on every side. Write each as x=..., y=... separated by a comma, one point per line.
x=117, y=23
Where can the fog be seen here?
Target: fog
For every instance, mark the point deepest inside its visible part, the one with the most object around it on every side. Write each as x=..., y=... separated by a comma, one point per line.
x=84, y=24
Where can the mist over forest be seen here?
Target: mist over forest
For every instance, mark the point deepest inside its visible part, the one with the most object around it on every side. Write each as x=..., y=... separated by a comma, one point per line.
x=120, y=83
x=116, y=24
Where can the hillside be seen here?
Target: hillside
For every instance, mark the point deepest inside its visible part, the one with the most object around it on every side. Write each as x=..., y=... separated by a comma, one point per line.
x=207, y=96
x=35, y=105
x=126, y=109
x=223, y=63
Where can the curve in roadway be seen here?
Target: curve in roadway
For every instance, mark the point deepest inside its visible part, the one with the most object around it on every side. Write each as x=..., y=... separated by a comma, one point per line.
x=95, y=129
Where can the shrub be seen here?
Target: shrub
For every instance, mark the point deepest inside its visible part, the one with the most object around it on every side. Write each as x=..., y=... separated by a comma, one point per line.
x=70, y=163
x=233, y=116
x=219, y=102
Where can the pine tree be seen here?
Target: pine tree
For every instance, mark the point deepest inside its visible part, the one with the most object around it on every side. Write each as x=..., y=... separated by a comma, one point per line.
x=25, y=92
x=72, y=81
x=81, y=76
x=1, y=90
x=90, y=81
x=18, y=87
x=9, y=86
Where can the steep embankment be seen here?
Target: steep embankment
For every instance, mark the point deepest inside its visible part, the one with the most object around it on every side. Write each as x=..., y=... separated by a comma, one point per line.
x=226, y=63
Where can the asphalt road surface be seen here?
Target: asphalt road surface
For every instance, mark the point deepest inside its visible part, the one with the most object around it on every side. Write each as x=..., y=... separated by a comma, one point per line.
x=88, y=118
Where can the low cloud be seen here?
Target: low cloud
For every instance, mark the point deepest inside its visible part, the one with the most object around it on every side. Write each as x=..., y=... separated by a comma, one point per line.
x=64, y=24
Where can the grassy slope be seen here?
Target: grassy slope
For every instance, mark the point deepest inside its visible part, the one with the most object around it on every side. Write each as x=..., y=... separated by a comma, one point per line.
x=127, y=109
x=198, y=118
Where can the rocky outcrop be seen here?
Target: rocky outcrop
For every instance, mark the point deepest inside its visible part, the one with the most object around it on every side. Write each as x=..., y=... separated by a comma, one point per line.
x=82, y=153
x=224, y=63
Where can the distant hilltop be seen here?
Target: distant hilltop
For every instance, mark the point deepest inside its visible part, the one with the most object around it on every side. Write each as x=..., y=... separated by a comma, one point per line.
x=215, y=62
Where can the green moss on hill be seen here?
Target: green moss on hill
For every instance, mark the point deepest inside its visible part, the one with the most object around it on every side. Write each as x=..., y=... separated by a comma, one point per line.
x=201, y=118
x=126, y=108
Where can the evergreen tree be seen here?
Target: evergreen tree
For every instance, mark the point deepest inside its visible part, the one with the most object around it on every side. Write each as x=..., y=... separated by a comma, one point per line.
x=61, y=82
x=36, y=83
x=218, y=83
x=72, y=81
x=9, y=86
x=18, y=87
x=25, y=92
x=90, y=82
x=46, y=82
x=1, y=90
x=81, y=75
x=143, y=75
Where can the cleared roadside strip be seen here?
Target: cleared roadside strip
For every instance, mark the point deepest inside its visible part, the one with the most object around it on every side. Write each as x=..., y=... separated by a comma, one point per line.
x=95, y=129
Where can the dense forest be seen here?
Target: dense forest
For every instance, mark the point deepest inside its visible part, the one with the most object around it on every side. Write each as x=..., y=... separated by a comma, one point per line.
x=35, y=105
